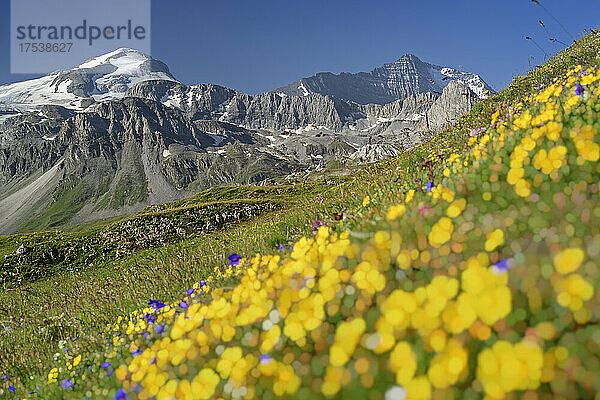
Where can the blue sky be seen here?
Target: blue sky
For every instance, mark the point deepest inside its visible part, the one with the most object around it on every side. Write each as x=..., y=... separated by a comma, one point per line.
x=258, y=45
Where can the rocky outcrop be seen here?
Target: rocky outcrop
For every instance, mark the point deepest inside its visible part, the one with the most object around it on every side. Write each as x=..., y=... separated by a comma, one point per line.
x=116, y=159
x=456, y=100
x=38, y=255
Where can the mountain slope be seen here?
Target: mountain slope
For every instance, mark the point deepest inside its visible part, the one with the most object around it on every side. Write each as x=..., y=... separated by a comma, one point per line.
x=118, y=133
x=405, y=77
x=486, y=285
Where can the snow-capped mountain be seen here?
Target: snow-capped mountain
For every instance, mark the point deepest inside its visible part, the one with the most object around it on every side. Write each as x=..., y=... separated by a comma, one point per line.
x=119, y=132
x=106, y=77
x=408, y=76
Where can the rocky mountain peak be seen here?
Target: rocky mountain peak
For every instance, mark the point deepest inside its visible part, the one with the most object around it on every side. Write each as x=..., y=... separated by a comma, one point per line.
x=106, y=77
x=407, y=76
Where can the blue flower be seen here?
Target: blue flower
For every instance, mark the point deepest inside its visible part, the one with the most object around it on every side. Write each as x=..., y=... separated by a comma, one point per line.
x=190, y=291
x=159, y=328
x=136, y=352
x=120, y=395
x=4, y=377
x=105, y=365
x=66, y=383
x=578, y=89
x=501, y=267
x=184, y=305
x=282, y=247
x=11, y=388
x=149, y=317
x=429, y=186
x=234, y=260
x=157, y=305
x=265, y=359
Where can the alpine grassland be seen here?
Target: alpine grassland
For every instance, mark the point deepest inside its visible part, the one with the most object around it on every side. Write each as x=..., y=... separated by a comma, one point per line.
x=464, y=268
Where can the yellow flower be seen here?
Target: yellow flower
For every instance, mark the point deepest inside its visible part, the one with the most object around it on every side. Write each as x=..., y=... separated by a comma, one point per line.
x=228, y=360
x=418, y=388
x=550, y=161
x=445, y=368
x=332, y=381
x=456, y=208
x=568, y=260
x=306, y=316
x=52, y=375
x=204, y=384
x=366, y=201
x=286, y=381
x=403, y=362
x=347, y=336
x=584, y=143
x=441, y=232
x=367, y=278
x=77, y=360
x=523, y=188
x=573, y=291
x=553, y=130
x=494, y=239
x=395, y=212
x=505, y=367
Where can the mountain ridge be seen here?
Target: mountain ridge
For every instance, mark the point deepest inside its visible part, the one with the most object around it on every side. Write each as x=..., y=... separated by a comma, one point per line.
x=406, y=76
x=123, y=134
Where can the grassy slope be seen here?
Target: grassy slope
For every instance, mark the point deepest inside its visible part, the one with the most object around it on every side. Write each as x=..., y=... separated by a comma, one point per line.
x=50, y=252
x=165, y=273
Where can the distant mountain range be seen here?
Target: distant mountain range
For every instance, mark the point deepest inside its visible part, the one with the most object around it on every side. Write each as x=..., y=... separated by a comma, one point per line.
x=119, y=132
x=408, y=76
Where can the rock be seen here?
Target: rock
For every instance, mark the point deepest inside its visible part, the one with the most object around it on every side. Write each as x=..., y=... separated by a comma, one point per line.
x=22, y=249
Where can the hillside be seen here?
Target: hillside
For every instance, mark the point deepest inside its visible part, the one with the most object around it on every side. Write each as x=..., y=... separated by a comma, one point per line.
x=463, y=268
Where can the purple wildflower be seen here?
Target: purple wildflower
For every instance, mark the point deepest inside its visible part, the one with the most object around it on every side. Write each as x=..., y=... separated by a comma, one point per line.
x=265, y=359
x=148, y=317
x=4, y=377
x=120, y=395
x=105, y=365
x=184, y=305
x=578, y=89
x=136, y=352
x=501, y=267
x=316, y=225
x=157, y=305
x=429, y=186
x=190, y=291
x=234, y=260
x=477, y=131
x=66, y=383
x=11, y=388
x=282, y=247
x=159, y=328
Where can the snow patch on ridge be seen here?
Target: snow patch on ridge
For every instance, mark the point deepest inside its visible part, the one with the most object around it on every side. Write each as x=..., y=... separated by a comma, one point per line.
x=303, y=88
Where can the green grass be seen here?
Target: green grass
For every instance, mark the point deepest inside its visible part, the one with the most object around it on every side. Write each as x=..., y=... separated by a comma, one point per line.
x=66, y=303
x=47, y=253
x=95, y=296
